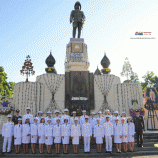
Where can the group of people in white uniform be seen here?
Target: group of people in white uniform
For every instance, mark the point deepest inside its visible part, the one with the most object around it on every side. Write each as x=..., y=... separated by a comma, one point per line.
x=48, y=130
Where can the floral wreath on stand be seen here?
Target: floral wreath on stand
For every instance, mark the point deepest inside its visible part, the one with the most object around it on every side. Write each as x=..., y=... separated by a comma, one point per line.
x=5, y=111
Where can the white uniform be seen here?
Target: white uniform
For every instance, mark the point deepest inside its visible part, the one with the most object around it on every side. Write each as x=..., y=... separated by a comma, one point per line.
x=72, y=120
x=57, y=133
x=93, y=121
x=119, y=120
x=125, y=118
x=131, y=131
x=102, y=120
x=34, y=133
x=124, y=132
x=41, y=133
x=17, y=134
x=75, y=133
x=7, y=133
x=117, y=133
x=55, y=120
x=86, y=133
x=49, y=134
x=99, y=133
x=82, y=120
x=110, y=118
x=27, y=116
x=108, y=132
x=63, y=117
x=52, y=120
x=65, y=131
x=39, y=119
x=26, y=129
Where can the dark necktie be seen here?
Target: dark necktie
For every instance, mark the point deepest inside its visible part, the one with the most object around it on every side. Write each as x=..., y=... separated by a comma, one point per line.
x=19, y=125
x=58, y=125
x=98, y=125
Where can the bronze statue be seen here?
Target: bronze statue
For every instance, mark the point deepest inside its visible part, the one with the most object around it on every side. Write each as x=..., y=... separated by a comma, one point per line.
x=77, y=17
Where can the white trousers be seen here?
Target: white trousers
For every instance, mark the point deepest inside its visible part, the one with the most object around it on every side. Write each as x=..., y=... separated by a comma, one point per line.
x=86, y=144
x=9, y=140
x=108, y=140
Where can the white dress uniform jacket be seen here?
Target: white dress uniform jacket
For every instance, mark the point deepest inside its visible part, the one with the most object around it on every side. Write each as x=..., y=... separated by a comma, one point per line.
x=102, y=120
x=17, y=134
x=124, y=132
x=38, y=120
x=57, y=133
x=41, y=133
x=82, y=120
x=99, y=133
x=93, y=121
x=26, y=129
x=27, y=116
x=75, y=133
x=65, y=131
x=34, y=133
x=113, y=120
x=131, y=131
x=117, y=133
x=49, y=134
x=63, y=117
x=108, y=132
x=52, y=120
x=55, y=120
x=7, y=133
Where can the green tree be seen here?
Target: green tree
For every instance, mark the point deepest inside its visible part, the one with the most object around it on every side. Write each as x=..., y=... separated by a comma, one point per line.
x=134, y=78
x=4, y=85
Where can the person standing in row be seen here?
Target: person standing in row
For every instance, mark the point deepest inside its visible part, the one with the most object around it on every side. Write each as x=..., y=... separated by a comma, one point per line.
x=39, y=117
x=124, y=134
x=34, y=135
x=41, y=134
x=28, y=115
x=26, y=131
x=49, y=117
x=93, y=122
x=73, y=117
x=57, y=136
x=75, y=134
x=99, y=135
x=16, y=116
x=49, y=135
x=82, y=118
x=107, y=112
x=131, y=132
x=102, y=120
x=65, y=132
x=139, y=128
x=118, y=134
x=56, y=117
x=116, y=116
x=66, y=111
x=86, y=134
x=108, y=132
x=7, y=134
x=18, y=135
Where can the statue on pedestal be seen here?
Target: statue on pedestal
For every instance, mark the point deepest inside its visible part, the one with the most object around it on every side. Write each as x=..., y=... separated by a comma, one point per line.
x=77, y=17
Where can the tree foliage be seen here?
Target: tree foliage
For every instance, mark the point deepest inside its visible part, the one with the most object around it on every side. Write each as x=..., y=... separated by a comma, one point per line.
x=4, y=85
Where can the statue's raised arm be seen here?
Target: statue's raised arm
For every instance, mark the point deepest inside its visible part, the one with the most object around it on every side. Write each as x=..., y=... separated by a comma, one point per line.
x=77, y=17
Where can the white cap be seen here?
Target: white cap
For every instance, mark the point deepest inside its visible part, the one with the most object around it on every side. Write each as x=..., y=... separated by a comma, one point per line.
x=116, y=118
x=9, y=115
x=66, y=110
x=123, y=112
x=107, y=116
x=48, y=112
x=40, y=112
x=99, y=112
x=27, y=118
x=28, y=108
x=115, y=112
x=74, y=112
x=76, y=119
x=49, y=119
x=98, y=119
x=83, y=110
x=35, y=118
x=65, y=118
x=92, y=113
x=86, y=117
x=107, y=110
x=56, y=111
x=123, y=118
x=19, y=119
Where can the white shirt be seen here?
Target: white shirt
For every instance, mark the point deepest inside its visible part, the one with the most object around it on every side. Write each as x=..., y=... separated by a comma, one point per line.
x=41, y=129
x=8, y=129
x=18, y=131
x=34, y=129
x=86, y=129
x=75, y=130
x=117, y=129
x=26, y=129
x=27, y=116
x=48, y=130
x=93, y=121
x=98, y=130
x=65, y=131
x=102, y=120
x=125, y=129
x=131, y=128
x=57, y=130
x=108, y=128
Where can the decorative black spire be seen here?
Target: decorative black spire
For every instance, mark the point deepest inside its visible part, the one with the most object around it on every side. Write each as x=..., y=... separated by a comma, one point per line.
x=105, y=62
x=50, y=61
x=97, y=72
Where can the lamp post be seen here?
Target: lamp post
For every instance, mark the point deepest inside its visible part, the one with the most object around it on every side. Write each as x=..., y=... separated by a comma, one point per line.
x=27, y=69
x=127, y=70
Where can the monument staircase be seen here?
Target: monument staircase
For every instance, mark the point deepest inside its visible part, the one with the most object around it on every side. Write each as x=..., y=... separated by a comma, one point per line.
x=150, y=138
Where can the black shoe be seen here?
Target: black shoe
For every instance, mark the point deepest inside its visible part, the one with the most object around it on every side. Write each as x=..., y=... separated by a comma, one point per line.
x=110, y=152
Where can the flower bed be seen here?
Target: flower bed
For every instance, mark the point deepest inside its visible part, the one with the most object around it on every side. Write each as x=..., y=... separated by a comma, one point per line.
x=132, y=112
x=4, y=110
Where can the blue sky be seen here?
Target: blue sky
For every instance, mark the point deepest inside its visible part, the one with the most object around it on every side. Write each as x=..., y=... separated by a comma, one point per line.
x=33, y=27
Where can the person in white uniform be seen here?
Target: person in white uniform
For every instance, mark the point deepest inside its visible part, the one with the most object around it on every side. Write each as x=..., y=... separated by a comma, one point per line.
x=73, y=118
x=93, y=122
x=123, y=116
x=26, y=131
x=99, y=135
x=116, y=116
x=107, y=112
x=117, y=134
x=75, y=134
x=34, y=134
x=48, y=136
x=131, y=132
x=7, y=134
x=56, y=117
x=49, y=117
x=65, y=132
x=124, y=134
x=108, y=132
x=41, y=134
x=18, y=135
x=39, y=117
x=66, y=111
x=86, y=134
x=82, y=118
x=28, y=115
x=102, y=120
x=57, y=136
